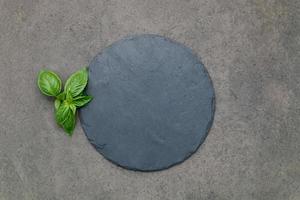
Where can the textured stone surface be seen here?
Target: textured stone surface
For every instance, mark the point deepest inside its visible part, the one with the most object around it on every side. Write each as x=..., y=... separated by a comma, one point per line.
x=251, y=50
x=153, y=103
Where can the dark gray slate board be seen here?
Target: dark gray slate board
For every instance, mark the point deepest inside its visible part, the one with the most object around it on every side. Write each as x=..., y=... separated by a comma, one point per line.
x=153, y=103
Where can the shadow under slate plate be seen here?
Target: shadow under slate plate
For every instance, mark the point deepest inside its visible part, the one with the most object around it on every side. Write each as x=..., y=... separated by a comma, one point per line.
x=153, y=103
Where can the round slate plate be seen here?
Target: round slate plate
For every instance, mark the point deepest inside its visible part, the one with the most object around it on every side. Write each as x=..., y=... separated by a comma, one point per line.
x=153, y=103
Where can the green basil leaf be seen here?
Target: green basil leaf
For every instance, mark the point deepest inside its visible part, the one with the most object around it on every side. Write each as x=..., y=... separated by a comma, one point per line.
x=62, y=113
x=49, y=83
x=69, y=123
x=65, y=117
x=82, y=100
x=57, y=103
x=77, y=82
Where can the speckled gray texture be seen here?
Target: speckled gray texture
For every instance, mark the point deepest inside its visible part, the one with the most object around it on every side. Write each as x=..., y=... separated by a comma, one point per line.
x=153, y=103
x=251, y=49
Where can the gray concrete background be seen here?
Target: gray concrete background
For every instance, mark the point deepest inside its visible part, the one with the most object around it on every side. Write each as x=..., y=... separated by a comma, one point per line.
x=251, y=49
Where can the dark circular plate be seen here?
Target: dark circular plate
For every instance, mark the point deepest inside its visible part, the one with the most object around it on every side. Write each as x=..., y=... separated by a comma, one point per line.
x=153, y=103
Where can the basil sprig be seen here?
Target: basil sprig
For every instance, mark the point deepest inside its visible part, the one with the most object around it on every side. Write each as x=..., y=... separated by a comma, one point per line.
x=68, y=101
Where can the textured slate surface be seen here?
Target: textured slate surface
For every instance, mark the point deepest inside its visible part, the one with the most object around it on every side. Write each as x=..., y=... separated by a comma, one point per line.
x=153, y=103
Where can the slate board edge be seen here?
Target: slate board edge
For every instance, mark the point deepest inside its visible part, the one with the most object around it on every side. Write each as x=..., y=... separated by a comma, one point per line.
x=209, y=125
